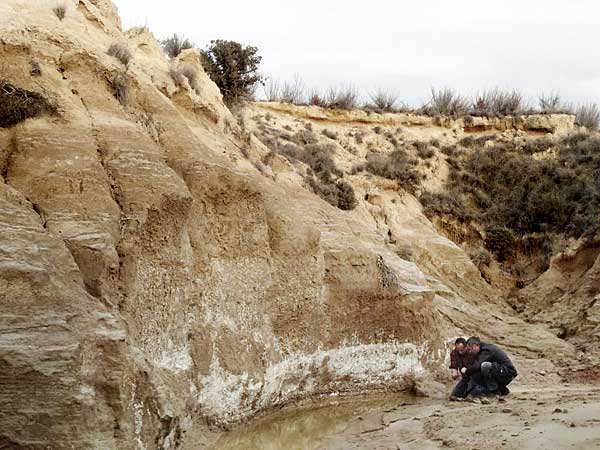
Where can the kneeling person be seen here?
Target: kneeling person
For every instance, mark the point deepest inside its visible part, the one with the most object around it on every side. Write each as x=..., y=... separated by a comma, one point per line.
x=459, y=359
x=492, y=364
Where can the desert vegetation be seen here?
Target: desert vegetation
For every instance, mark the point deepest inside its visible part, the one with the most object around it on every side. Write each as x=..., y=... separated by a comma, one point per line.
x=514, y=194
x=60, y=11
x=120, y=52
x=495, y=102
x=397, y=166
x=18, y=104
x=119, y=86
x=175, y=44
x=234, y=69
x=323, y=176
x=183, y=73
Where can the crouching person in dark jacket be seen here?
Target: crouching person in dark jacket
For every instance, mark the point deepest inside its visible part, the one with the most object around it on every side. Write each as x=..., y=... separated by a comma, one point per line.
x=492, y=366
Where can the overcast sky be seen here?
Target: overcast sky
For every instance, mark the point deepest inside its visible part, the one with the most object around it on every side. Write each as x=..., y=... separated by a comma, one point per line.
x=404, y=46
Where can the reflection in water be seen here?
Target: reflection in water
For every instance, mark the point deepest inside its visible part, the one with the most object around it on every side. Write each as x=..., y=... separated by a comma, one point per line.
x=303, y=429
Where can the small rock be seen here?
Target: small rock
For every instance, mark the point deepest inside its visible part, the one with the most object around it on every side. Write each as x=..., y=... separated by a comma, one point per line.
x=572, y=425
x=514, y=434
x=506, y=410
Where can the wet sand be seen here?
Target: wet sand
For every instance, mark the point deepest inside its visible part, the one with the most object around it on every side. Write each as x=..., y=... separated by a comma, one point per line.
x=537, y=417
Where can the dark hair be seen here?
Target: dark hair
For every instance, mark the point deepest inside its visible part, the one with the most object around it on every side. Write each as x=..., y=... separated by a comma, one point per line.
x=460, y=340
x=473, y=340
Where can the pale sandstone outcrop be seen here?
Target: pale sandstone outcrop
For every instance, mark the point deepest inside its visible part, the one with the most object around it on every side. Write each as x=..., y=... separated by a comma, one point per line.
x=152, y=279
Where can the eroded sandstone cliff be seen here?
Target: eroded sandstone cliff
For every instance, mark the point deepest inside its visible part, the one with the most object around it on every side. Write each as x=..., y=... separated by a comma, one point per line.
x=157, y=280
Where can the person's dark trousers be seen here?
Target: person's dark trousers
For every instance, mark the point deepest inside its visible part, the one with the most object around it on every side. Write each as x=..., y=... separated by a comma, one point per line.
x=476, y=386
x=461, y=388
x=466, y=386
x=495, y=377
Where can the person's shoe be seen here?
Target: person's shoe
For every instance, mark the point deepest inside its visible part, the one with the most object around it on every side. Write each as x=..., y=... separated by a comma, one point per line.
x=472, y=399
x=504, y=391
x=454, y=398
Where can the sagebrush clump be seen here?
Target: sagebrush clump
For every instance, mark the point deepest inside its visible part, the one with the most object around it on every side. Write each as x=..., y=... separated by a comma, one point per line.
x=175, y=44
x=516, y=194
x=396, y=166
x=120, y=52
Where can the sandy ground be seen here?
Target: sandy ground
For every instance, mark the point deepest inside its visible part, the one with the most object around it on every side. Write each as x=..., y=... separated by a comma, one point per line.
x=555, y=417
x=563, y=417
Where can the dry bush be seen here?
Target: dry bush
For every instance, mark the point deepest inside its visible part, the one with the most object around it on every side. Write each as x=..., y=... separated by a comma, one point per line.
x=182, y=73
x=446, y=102
x=394, y=166
x=498, y=103
x=316, y=99
x=60, y=11
x=424, y=151
x=339, y=194
x=119, y=85
x=175, y=44
x=304, y=137
x=480, y=257
x=552, y=104
x=17, y=104
x=272, y=90
x=383, y=101
x=588, y=116
x=342, y=98
x=293, y=92
x=325, y=180
x=514, y=193
x=120, y=52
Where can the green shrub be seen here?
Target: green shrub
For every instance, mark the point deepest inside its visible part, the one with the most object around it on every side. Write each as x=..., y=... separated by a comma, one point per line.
x=234, y=69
